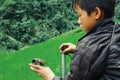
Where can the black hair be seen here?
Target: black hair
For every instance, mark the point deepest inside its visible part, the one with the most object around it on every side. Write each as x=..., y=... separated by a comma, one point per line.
x=89, y=5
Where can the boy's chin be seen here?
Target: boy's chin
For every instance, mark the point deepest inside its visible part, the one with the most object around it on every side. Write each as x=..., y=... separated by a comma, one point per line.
x=82, y=28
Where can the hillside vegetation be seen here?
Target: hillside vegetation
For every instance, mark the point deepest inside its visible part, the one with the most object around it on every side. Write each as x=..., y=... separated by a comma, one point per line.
x=27, y=22
x=15, y=65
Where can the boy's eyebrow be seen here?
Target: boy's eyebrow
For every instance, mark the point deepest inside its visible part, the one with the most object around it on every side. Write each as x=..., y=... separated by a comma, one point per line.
x=79, y=15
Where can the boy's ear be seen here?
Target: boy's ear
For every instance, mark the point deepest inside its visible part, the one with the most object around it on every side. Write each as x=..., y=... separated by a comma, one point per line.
x=98, y=13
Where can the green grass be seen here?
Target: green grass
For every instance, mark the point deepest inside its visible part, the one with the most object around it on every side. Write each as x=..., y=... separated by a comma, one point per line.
x=15, y=65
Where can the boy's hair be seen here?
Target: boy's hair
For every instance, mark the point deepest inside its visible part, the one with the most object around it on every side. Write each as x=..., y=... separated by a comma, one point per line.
x=89, y=5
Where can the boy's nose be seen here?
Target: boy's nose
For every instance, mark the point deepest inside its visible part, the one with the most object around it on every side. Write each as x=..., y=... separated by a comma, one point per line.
x=79, y=22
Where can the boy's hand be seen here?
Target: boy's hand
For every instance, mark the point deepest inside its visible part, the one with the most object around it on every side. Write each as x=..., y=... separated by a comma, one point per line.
x=44, y=72
x=67, y=48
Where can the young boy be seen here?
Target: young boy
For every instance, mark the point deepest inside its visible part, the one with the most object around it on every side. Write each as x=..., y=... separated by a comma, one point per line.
x=97, y=54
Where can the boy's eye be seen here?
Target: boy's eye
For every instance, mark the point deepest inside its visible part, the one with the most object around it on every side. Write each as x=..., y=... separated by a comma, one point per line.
x=79, y=15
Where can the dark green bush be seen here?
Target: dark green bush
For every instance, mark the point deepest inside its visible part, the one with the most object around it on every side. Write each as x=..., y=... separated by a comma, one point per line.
x=34, y=21
x=117, y=9
x=8, y=43
x=26, y=22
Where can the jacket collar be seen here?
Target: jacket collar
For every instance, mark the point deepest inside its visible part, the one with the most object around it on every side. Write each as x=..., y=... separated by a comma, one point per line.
x=101, y=24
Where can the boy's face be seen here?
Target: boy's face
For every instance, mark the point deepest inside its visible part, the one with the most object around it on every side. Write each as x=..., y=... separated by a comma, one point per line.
x=86, y=21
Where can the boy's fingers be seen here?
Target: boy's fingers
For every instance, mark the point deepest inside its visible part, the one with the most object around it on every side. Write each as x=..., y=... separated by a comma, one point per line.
x=62, y=45
x=34, y=69
x=60, y=51
x=35, y=66
x=66, y=50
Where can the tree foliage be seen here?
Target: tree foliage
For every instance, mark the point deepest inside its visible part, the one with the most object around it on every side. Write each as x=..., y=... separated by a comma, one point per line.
x=117, y=9
x=28, y=22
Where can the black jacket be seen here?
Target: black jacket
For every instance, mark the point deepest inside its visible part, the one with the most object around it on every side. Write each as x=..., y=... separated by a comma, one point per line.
x=97, y=55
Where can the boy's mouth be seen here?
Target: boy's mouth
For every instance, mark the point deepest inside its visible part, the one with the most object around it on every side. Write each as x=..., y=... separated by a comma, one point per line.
x=80, y=24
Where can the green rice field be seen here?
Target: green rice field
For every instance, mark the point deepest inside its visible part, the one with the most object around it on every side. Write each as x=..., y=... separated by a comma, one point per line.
x=15, y=65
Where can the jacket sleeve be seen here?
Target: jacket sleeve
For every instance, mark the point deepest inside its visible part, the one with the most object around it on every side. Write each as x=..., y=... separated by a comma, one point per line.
x=88, y=63
x=112, y=71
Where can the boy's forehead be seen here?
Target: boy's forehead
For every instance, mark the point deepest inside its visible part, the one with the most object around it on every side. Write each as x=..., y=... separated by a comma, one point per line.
x=77, y=8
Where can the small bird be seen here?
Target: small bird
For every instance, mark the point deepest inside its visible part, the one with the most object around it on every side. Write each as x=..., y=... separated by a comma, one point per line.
x=38, y=61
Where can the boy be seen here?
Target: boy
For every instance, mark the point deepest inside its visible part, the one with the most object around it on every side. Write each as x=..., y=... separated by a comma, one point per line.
x=97, y=54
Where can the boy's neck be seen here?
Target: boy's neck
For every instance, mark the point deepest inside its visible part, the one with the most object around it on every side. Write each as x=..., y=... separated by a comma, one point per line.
x=101, y=23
